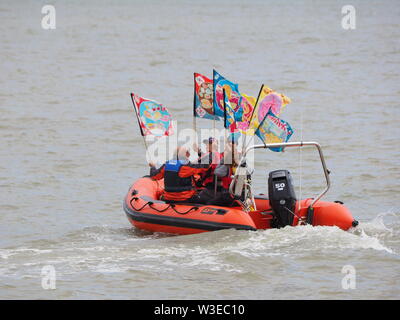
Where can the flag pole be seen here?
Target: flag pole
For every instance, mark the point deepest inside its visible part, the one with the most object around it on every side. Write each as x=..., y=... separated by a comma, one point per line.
x=194, y=110
x=251, y=119
x=258, y=97
x=227, y=129
x=214, y=134
x=214, y=103
x=225, y=140
x=214, y=107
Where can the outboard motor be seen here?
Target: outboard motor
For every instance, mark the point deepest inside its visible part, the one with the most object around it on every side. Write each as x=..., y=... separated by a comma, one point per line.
x=282, y=197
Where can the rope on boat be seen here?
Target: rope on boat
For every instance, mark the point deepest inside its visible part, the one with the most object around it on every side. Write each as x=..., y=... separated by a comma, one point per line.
x=150, y=204
x=300, y=219
x=192, y=208
x=135, y=198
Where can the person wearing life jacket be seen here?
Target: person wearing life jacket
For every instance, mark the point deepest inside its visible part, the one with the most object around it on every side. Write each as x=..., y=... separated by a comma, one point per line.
x=211, y=157
x=224, y=172
x=227, y=165
x=211, y=145
x=178, y=175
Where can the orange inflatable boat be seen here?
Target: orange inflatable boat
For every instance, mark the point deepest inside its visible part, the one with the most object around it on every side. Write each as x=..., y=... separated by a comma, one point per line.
x=146, y=211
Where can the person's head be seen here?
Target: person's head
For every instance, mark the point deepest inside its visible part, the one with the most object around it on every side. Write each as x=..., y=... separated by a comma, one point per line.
x=211, y=144
x=182, y=153
x=231, y=152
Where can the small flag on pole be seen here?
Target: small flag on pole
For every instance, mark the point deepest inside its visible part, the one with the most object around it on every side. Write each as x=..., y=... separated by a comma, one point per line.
x=268, y=100
x=229, y=114
x=243, y=115
x=203, y=97
x=154, y=119
x=274, y=130
x=231, y=92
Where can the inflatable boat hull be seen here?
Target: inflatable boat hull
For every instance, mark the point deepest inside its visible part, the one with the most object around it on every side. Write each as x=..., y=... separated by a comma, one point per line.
x=146, y=212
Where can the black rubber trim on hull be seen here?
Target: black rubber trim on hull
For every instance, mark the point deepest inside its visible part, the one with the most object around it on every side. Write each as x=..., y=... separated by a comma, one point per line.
x=182, y=222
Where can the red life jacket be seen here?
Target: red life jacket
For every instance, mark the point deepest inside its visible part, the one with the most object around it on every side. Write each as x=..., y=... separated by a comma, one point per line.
x=208, y=177
x=226, y=181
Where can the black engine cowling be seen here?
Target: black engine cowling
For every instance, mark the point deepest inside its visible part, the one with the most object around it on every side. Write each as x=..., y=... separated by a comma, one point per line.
x=282, y=197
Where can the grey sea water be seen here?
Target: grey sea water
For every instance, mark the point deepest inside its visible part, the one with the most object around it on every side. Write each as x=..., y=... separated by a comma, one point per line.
x=70, y=146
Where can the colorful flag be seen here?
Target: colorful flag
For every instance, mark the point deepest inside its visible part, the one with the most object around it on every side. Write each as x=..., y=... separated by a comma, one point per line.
x=274, y=130
x=244, y=113
x=153, y=118
x=229, y=114
x=231, y=91
x=268, y=100
x=203, y=97
x=247, y=104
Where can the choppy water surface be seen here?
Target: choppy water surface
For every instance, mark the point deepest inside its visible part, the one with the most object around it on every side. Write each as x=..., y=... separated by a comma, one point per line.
x=70, y=146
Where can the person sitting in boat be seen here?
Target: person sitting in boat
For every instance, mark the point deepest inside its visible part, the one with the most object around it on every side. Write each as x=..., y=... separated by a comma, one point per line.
x=211, y=157
x=211, y=145
x=222, y=172
x=178, y=175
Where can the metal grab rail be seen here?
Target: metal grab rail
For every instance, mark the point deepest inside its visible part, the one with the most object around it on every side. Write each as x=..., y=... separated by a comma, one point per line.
x=290, y=145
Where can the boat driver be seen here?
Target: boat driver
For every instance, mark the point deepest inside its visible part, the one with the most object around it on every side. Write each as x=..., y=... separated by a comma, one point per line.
x=223, y=171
